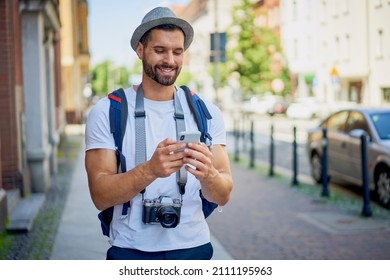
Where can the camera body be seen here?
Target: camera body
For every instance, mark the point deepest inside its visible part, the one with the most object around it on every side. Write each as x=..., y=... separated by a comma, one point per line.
x=163, y=210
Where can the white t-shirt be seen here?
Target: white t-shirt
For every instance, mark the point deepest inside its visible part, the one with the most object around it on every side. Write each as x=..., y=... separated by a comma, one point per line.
x=130, y=231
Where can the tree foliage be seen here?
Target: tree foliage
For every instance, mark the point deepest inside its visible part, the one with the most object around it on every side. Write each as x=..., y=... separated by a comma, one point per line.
x=107, y=77
x=250, y=53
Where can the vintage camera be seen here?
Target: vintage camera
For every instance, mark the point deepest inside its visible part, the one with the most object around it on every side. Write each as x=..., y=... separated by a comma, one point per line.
x=163, y=210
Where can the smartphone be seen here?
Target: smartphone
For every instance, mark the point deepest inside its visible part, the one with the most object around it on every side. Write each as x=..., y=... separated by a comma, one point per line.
x=189, y=136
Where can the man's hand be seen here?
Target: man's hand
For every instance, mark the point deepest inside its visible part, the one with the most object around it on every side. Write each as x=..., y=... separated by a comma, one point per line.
x=212, y=168
x=165, y=160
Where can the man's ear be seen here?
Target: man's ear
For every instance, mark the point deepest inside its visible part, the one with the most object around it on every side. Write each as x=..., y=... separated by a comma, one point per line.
x=140, y=50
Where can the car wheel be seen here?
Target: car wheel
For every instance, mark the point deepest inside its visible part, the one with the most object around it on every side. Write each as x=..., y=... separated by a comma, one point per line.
x=382, y=186
x=316, y=167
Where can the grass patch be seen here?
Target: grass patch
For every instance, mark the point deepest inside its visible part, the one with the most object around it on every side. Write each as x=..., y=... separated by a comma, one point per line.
x=6, y=242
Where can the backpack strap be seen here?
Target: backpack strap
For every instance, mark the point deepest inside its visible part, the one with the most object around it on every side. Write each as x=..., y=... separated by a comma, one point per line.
x=200, y=112
x=201, y=115
x=118, y=118
x=118, y=121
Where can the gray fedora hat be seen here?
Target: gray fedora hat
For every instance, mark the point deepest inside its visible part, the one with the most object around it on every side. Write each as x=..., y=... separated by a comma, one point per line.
x=158, y=16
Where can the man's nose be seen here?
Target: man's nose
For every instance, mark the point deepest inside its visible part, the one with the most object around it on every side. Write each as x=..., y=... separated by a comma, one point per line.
x=169, y=58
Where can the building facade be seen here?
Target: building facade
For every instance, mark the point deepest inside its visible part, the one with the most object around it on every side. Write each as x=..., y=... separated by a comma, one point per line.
x=32, y=110
x=337, y=50
x=75, y=57
x=13, y=167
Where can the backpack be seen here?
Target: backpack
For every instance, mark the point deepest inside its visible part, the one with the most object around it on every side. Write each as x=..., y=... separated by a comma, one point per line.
x=118, y=119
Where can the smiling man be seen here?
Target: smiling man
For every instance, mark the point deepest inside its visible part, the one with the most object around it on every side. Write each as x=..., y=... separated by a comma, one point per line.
x=157, y=209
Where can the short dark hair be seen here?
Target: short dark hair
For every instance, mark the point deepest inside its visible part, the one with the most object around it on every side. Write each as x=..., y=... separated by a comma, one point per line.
x=168, y=27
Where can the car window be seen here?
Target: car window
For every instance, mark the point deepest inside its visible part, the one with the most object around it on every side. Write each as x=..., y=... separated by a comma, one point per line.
x=381, y=122
x=356, y=120
x=337, y=122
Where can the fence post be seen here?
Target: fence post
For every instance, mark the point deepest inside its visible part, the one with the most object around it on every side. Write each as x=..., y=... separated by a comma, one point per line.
x=295, y=159
x=272, y=146
x=252, y=146
x=325, y=178
x=366, y=211
x=236, y=141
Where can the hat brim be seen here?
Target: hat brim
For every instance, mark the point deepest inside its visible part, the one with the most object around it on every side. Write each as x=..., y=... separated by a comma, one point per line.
x=143, y=28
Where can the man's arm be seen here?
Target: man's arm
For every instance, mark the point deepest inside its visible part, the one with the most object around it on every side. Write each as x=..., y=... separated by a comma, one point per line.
x=107, y=188
x=212, y=170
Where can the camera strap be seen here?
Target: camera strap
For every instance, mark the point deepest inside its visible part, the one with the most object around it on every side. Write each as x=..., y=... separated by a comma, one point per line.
x=140, y=134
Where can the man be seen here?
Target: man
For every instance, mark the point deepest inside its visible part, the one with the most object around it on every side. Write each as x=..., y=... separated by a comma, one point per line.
x=160, y=42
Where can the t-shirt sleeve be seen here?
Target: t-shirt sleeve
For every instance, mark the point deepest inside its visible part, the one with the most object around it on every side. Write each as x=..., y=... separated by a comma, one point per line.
x=97, y=130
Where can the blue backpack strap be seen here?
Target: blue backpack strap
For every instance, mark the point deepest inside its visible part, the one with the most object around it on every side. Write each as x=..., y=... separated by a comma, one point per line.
x=118, y=120
x=201, y=115
x=200, y=112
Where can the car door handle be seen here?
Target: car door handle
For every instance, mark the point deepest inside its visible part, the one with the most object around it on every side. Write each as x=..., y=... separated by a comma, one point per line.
x=343, y=145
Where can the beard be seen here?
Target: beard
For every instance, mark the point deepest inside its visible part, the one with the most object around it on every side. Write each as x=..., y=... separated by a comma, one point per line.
x=155, y=73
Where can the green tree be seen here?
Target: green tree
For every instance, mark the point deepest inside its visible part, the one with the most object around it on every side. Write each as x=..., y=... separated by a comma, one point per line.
x=106, y=77
x=100, y=78
x=251, y=53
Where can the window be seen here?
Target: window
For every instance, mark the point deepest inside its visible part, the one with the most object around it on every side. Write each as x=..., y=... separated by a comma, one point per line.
x=295, y=11
x=379, y=42
x=323, y=12
x=308, y=9
x=378, y=3
x=337, y=122
x=337, y=49
x=347, y=48
x=309, y=50
x=335, y=8
x=345, y=6
x=386, y=95
x=356, y=121
x=381, y=123
x=295, y=49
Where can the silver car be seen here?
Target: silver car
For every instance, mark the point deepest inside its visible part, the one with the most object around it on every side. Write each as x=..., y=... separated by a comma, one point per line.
x=344, y=149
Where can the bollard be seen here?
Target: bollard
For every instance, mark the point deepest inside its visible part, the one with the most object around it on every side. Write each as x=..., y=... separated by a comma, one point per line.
x=325, y=178
x=272, y=147
x=236, y=141
x=295, y=159
x=366, y=211
x=252, y=147
x=244, y=135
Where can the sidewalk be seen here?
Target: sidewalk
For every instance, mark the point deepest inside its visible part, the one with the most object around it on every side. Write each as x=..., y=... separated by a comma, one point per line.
x=79, y=235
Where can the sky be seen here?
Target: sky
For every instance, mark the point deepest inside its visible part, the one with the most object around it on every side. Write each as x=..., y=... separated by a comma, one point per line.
x=111, y=24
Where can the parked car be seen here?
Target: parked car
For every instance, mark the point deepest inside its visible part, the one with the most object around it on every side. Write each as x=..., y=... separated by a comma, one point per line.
x=303, y=108
x=344, y=129
x=262, y=105
x=279, y=107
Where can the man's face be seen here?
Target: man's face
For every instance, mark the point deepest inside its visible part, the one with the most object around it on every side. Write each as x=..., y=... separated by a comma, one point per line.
x=162, y=57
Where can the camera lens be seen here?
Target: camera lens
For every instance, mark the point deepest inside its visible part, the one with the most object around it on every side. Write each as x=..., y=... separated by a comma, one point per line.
x=167, y=217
